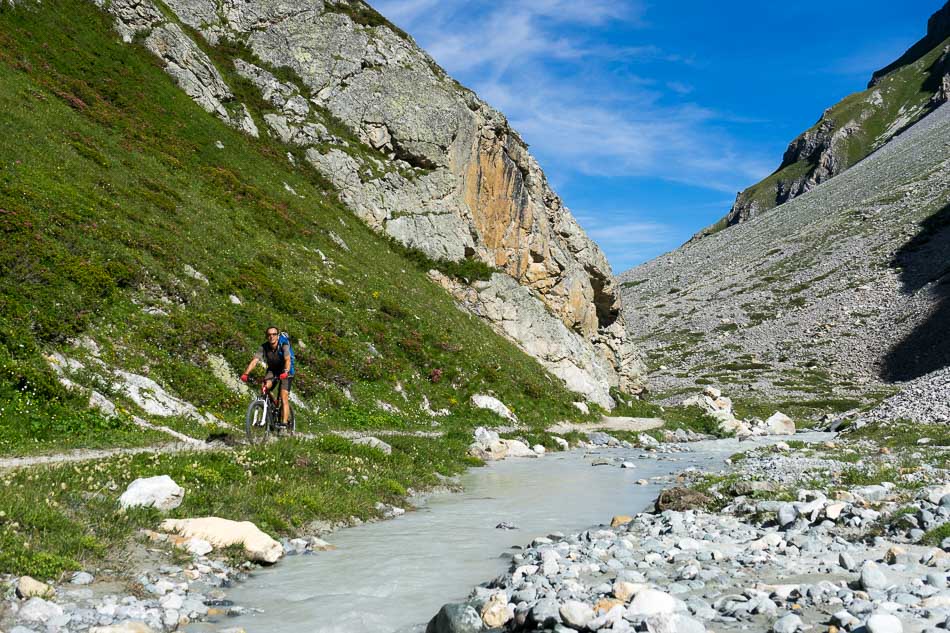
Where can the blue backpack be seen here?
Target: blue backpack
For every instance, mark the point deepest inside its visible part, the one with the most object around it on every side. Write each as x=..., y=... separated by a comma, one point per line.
x=284, y=339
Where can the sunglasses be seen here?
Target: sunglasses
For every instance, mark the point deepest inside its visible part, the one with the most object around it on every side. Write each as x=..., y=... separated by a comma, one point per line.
x=272, y=334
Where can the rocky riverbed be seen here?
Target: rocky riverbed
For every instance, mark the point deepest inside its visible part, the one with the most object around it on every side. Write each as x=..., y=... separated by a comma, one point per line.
x=784, y=544
x=833, y=534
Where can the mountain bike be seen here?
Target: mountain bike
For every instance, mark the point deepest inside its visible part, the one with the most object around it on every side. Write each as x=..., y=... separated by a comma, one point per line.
x=263, y=417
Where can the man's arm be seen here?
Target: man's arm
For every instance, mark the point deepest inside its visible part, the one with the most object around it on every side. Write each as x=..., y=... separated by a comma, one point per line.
x=286, y=358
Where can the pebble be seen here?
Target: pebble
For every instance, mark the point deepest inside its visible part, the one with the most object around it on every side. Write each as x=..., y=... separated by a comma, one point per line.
x=789, y=623
x=872, y=577
x=884, y=623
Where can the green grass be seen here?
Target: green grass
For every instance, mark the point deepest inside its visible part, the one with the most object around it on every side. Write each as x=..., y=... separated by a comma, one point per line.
x=107, y=194
x=674, y=417
x=935, y=536
x=867, y=476
x=903, y=434
x=63, y=518
x=802, y=411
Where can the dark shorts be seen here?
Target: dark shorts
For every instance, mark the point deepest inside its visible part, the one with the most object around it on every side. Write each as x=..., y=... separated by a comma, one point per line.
x=284, y=384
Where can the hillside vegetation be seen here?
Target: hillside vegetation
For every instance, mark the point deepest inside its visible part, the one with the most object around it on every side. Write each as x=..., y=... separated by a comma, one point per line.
x=141, y=234
x=131, y=217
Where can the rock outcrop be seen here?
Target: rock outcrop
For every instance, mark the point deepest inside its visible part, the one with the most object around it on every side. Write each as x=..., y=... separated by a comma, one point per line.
x=413, y=153
x=218, y=532
x=897, y=96
x=512, y=311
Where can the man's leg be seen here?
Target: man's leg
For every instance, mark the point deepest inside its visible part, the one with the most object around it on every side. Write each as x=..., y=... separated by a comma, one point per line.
x=269, y=384
x=285, y=398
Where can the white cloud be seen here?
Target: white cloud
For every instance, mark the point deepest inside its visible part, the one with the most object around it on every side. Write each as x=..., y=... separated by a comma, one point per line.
x=627, y=240
x=530, y=60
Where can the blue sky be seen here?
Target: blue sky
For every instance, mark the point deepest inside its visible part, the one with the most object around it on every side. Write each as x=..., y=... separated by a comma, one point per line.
x=649, y=117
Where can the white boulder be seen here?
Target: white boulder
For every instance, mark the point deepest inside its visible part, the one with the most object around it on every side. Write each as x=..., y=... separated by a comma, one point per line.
x=780, y=424
x=651, y=601
x=375, y=442
x=29, y=587
x=517, y=448
x=160, y=492
x=494, y=405
x=39, y=610
x=485, y=437
x=222, y=533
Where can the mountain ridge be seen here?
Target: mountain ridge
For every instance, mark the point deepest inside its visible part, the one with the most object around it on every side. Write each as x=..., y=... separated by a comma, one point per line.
x=830, y=299
x=897, y=96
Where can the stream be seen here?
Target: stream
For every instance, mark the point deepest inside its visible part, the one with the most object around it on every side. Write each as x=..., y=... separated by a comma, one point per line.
x=393, y=576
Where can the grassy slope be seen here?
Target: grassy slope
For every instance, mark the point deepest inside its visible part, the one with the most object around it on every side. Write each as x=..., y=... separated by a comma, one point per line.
x=906, y=89
x=110, y=185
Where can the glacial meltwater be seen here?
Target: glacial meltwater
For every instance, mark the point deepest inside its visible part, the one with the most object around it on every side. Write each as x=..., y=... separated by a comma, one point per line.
x=395, y=575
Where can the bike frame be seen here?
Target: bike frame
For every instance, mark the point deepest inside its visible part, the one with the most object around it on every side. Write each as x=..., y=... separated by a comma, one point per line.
x=272, y=405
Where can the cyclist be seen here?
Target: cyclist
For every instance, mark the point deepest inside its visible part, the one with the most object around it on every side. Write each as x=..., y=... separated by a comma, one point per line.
x=278, y=359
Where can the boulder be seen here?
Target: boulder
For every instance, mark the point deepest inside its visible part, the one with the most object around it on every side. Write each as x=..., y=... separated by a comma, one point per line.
x=872, y=577
x=834, y=510
x=620, y=519
x=786, y=514
x=650, y=602
x=545, y=614
x=680, y=499
x=934, y=494
x=39, y=610
x=159, y=492
x=624, y=590
x=455, y=618
x=789, y=623
x=674, y=623
x=517, y=448
x=496, y=611
x=576, y=614
x=374, y=442
x=222, y=533
x=779, y=424
x=28, y=587
x=884, y=623
x=494, y=405
x=485, y=437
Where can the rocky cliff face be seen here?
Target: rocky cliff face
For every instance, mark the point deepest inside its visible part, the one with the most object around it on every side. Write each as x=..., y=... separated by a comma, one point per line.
x=413, y=153
x=898, y=95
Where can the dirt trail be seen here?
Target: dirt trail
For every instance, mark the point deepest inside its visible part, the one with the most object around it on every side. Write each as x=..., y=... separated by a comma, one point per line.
x=84, y=454
x=608, y=423
x=186, y=444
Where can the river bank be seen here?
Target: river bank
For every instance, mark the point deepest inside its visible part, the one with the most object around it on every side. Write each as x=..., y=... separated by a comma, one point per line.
x=171, y=588
x=776, y=520
x=847, y=534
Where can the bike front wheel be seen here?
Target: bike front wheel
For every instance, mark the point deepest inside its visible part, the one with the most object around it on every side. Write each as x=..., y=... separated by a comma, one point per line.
x=256, y=425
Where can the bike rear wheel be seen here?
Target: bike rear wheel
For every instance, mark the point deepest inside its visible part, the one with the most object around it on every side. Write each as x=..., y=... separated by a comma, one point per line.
x=256, y=425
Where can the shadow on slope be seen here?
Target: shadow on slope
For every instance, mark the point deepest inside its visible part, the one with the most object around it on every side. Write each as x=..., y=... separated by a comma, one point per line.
x=924, y=260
